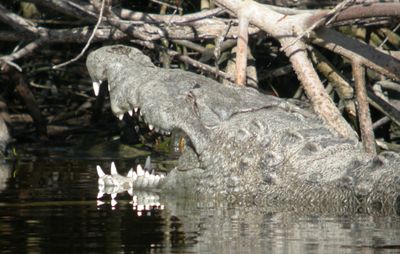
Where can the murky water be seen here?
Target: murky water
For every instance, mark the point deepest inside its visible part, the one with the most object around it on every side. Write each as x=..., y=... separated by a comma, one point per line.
x=50, y=206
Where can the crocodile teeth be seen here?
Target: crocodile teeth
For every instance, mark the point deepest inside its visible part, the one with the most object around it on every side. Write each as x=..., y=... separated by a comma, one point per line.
x=113, y=203
x=153, y=180
x=147, y=164
x=113, y=195
x=130, y=112
x=109, y=88
x=100, y=194
x=136, y=109
x=134, y=176
x=120, y=116
x=113, y=169
x=151, y=127
x=100, y=172
x=130, y=173
x=100, y=203
x=96, y=87
x=139, y=170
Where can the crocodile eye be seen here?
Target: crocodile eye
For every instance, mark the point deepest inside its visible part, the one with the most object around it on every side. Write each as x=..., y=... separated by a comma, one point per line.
x=179, y=141
x=182, y=144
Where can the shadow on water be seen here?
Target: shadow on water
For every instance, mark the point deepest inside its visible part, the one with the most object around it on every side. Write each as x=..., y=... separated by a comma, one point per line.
x=50, y=206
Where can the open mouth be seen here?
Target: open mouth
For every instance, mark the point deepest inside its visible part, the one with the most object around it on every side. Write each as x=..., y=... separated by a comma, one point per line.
x=142, y=178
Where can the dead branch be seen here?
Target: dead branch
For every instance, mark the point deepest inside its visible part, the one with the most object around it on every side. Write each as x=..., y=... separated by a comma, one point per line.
x=186, y=59
x=389, y=85
x=76, y=9
x=342, y=87
x=27, y=50
x=241, y=49
x=16, y=22
x=367, y=132
x=327, y=18
x=168, y=19
x=351, y=48
x=383, y=106
x=284, y=28
x=89, y=40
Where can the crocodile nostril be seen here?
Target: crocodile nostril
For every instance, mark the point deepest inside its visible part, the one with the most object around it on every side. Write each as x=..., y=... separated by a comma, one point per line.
x=376, y=205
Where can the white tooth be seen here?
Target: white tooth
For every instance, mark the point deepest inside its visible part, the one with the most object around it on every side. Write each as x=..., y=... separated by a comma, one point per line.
x=100, y=194
x=167, y=133
x=113, y=169
x=134, y=176
x=151, y=179
x=114, y=195
x=156, y=179
x=147, y=164
x=120, y=116
x=151, y=127
x=145, y=182
x=99, y=203
x=139, y=170
x=130, y=173
x=109, y=88
x=156, y=129
x=130, y=112
x=113, y=203
x=146, y=174
x=100, y=172
x=136, y=109
x=96, y=87
x=140, y=113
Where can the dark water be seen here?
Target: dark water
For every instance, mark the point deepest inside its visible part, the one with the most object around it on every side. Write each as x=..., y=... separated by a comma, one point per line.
x=51, y=207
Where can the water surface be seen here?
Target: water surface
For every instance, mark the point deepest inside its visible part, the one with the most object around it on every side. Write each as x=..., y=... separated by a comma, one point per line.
x=51, y=206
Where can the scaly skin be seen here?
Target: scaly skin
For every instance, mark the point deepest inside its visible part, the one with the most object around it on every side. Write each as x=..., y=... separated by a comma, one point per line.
x=246, y=146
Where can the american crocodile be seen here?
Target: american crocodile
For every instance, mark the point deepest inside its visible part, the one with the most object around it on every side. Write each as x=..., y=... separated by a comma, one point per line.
x=245, y=146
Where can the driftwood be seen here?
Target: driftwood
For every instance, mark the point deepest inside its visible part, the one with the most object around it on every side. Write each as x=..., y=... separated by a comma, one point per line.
x=302, y=34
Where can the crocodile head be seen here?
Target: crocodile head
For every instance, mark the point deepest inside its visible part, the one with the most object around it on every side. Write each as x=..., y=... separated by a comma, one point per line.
x=173, y=99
